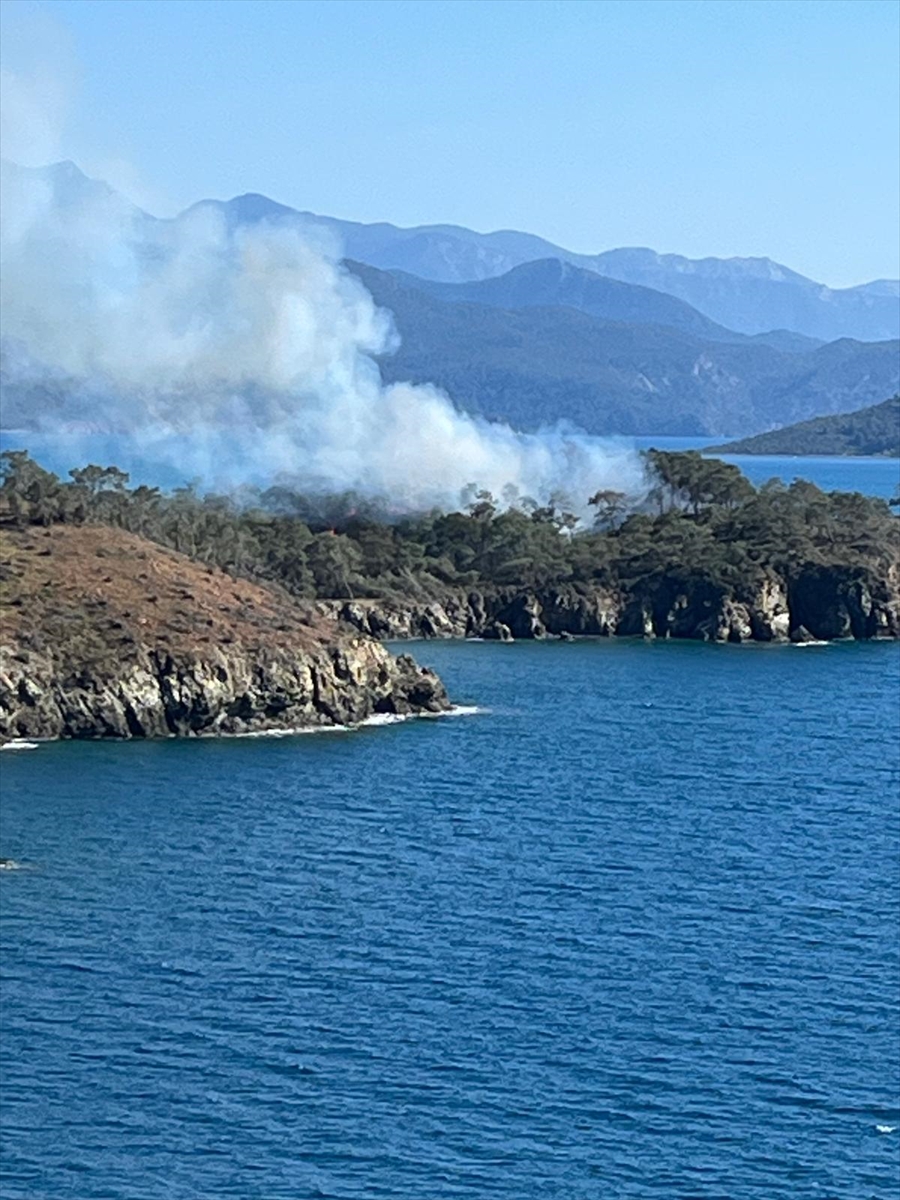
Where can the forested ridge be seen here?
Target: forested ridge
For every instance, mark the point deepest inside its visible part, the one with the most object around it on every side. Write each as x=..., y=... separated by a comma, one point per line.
x=874, y=430
x=700, y=524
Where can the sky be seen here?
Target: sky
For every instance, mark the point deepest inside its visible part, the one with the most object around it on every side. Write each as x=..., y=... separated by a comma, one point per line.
x=699, y=127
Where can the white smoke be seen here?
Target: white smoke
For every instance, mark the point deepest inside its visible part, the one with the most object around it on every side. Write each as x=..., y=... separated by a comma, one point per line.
x=241, y=354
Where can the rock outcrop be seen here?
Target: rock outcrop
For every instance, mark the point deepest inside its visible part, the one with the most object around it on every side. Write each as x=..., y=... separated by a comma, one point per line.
x=829, y=602
x=227, y=690
x=106, y=635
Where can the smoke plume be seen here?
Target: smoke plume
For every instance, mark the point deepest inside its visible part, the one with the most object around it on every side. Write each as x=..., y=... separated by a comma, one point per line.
x=239, y=353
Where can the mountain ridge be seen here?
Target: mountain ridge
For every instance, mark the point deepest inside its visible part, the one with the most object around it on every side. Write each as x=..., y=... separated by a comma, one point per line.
x=534, y=366
x=749, y=295
x=547, y=342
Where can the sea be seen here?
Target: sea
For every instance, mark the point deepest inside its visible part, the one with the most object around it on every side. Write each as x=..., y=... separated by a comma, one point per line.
x=625, y=926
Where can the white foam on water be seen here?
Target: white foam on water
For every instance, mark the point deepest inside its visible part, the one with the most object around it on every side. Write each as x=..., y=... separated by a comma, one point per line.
x=375, y=721
x=803, y=645
x=378, y=719
x=283, y=733
x=458, y=710
x=886, y=1128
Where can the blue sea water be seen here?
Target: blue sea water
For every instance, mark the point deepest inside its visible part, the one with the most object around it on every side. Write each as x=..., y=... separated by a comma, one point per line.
x=833, y=473
x=632, y=930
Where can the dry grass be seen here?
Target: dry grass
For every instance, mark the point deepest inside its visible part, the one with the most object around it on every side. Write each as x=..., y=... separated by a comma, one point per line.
x=97, y=592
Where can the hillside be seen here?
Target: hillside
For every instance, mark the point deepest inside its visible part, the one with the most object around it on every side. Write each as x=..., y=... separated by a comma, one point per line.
x=106, y=634
x=537, y=365
x=552, y=283
x=754, y=295
x=874, y=430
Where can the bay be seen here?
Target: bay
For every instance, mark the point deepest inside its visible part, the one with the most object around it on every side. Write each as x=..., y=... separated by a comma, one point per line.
x=832, y=473
x=631, y=929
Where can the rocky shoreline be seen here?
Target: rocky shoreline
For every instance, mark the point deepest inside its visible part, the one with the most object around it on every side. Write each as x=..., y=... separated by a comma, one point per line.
x=823, y=604
x=160, y=694
x=108, y=636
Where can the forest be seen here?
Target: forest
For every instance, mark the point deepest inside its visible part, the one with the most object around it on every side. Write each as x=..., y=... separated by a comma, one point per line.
x=699, y=521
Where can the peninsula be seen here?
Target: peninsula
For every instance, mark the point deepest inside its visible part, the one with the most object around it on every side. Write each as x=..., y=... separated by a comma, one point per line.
x=131, y=612
x=105, y=634
x=873, y=431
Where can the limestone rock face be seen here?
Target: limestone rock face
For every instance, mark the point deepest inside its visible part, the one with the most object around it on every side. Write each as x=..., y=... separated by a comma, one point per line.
x=226, y=690
x=594, y=613
x=770, y=616
x=844, y=602
x=391, y=620
x=829, y=602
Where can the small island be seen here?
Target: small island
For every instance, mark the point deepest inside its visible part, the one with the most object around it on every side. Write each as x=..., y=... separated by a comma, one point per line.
x=873, y=431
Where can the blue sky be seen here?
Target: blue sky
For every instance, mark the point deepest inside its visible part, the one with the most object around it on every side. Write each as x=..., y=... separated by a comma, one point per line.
x=735, y=128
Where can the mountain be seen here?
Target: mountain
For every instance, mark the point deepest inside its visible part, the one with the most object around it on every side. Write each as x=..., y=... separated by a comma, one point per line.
x=550, y=282
x=537, y=365
x=543, y=342
x=748, y=295
x=753, y=295
x=874, y=430
x=69, y=189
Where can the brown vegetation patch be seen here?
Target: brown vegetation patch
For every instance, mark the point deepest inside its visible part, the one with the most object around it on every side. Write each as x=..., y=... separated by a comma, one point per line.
x=98, y=592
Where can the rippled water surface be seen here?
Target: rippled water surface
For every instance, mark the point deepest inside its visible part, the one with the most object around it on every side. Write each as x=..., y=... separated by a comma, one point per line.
x=630, y=932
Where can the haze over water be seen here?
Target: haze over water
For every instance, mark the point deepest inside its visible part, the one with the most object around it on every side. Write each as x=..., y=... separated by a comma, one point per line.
x=631, y=931
x=871, y=476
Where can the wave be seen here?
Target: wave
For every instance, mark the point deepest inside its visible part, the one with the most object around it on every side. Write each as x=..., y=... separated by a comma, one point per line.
x=376, y=721
x=458, y=710
x=292, y=731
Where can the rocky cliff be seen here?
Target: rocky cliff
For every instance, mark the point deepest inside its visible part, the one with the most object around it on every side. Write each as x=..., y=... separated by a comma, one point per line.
x=106, y=635
x=822, y=602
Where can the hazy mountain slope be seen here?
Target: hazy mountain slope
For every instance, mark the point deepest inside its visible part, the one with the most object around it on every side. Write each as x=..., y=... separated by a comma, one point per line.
x=69, y=187
x=525, y=352
x=871, y=430
x=749, y=295
x=752, y=295
x=549, y=282
x=536, y=365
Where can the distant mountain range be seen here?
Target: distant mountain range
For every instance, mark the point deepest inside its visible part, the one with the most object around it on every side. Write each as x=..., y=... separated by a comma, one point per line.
x=536, y=365
x=550, y=283
x=874, y=430
x=747, y=295
x=534, y=336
